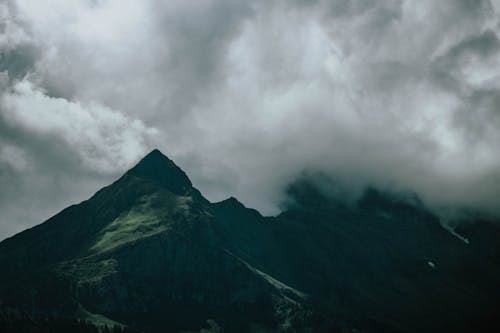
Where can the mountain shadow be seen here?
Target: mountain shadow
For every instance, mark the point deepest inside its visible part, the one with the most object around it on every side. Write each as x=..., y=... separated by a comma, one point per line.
x=150, y=253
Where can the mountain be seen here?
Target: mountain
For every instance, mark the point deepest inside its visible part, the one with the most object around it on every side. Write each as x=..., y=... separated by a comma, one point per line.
x=150, y=253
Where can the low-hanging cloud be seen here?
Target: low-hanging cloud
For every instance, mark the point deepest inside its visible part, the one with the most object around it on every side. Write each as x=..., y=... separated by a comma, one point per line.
x=247, y=96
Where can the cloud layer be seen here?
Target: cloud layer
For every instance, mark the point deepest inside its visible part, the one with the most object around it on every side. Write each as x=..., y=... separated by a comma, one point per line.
x=248, y=96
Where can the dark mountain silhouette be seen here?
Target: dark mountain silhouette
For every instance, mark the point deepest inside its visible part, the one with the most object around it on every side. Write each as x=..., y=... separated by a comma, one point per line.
x=150, y=253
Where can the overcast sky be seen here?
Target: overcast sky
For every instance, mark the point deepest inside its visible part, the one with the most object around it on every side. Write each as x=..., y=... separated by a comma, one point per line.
x=246, y=96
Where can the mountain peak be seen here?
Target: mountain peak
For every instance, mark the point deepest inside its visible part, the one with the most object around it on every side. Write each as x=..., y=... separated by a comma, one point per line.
x=157, y=167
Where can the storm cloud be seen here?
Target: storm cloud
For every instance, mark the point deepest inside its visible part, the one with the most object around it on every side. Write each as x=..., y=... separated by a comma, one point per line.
x=247, y=96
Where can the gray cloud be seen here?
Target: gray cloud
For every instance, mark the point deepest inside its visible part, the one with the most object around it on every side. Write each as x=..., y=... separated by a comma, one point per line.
x=54, y=151
x=248, y=96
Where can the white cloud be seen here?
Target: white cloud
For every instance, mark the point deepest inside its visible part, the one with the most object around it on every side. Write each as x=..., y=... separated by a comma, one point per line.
x=247, y=95
x=11, y=33
x=105, y=139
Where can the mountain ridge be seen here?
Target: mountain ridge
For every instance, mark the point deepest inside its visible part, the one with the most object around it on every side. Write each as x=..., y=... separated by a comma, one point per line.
x=150, y=252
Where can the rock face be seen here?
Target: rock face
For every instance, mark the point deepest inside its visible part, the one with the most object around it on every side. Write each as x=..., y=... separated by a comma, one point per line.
x=150, y=252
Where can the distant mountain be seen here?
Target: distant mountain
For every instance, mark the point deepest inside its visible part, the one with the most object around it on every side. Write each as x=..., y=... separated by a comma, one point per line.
x=150, y=253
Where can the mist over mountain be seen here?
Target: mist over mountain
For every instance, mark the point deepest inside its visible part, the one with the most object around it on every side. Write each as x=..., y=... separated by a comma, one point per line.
x=246, y=96
x=149, y=253
x=337, y=166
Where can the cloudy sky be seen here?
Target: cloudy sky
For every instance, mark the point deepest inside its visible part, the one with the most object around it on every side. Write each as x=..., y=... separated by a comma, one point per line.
x=246, y=96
